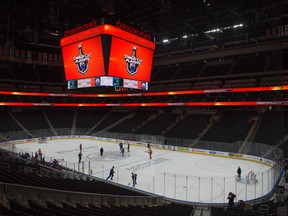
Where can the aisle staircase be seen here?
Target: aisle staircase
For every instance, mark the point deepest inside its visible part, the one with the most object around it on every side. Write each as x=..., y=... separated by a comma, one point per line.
x=114, y=124
x=49, y=124
x=20, y=125
x=98, y=123
x=73, y=128
x=244, y=149
x=201, y=211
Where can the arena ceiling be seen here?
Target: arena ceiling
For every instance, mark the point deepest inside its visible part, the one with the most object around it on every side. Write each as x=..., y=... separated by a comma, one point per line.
x=34, y=21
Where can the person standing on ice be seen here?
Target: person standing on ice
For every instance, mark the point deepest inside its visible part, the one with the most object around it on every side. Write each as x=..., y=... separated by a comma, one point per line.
x=148, y=146
x=80, y=148
x=239, y=172
x=150, y=153
x=133, y=179
x=101, y=151
x=128, y=146
x=80, y=157
x=120, y=146
x=111, y=173
x=122, y=151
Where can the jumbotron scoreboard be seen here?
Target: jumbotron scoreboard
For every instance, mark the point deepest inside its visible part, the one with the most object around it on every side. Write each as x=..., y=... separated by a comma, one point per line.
x=107, y=55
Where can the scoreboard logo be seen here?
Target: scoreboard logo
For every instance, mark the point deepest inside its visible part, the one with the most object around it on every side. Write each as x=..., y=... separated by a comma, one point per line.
x=132, y=62
x=81, y=60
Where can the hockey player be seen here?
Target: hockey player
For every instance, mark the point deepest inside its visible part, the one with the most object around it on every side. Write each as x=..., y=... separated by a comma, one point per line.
x=128, y=146
x=122, y=151
x=120, y=146
x=111, y=173
x=80, y=147
x=150, y=153
x=80, y=157
x=133, y=179
x=239, y=173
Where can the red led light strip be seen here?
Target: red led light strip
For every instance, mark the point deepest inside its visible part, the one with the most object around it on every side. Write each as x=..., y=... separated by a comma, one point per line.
x=224, y=103
x=148, y=94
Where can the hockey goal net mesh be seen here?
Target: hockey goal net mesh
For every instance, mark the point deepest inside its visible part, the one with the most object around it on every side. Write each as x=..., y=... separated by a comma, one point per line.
x=251, y=178
x=42, y=140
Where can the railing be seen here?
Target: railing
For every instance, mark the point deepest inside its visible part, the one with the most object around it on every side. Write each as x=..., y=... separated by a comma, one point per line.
x=198, y=189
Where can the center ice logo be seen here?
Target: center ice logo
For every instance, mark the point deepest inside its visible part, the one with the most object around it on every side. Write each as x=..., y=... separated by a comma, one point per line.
x=81, y=60
x=132, y=62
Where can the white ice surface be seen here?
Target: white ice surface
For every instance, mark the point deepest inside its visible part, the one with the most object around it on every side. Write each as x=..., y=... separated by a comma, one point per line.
x=178, y=175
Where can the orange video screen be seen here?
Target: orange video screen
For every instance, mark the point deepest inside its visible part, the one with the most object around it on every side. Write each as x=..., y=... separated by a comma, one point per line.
x=83, y=59
x=107, y=51
x=130, y=60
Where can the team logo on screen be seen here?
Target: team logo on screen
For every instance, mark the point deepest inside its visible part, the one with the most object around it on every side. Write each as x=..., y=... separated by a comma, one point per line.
x=132, y=62
x=81, y=60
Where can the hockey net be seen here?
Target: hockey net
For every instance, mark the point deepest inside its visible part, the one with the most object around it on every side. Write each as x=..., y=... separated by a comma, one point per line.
x=251, y=178
x=42, y=140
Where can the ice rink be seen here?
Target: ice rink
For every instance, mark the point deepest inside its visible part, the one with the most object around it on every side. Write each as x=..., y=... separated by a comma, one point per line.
x=177, y=175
